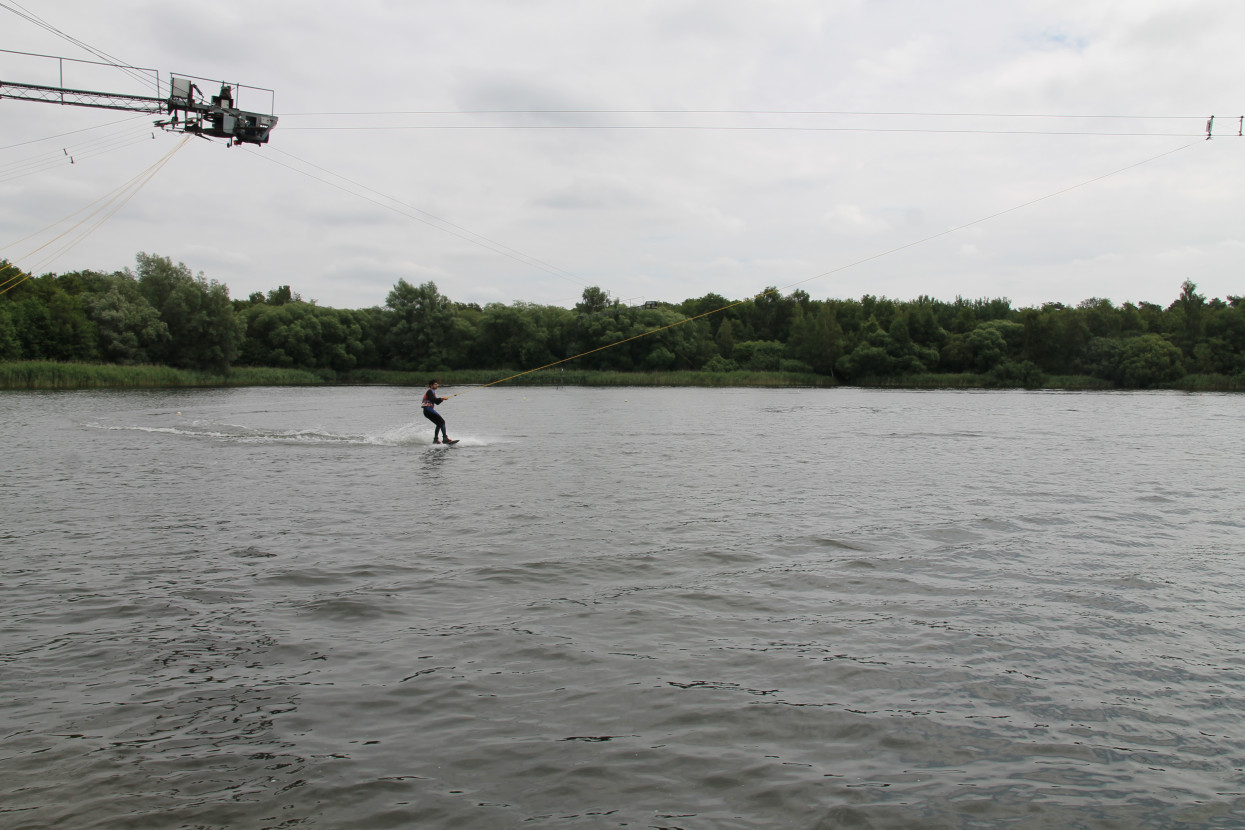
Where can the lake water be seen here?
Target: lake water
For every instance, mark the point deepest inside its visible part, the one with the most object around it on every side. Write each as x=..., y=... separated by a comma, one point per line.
x=647, y=608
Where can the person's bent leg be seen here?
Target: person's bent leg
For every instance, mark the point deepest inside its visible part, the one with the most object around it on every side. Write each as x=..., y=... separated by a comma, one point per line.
x=439, y=425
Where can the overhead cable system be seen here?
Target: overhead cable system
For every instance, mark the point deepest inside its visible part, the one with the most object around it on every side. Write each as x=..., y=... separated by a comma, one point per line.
x=185, y=107
x=809, y=121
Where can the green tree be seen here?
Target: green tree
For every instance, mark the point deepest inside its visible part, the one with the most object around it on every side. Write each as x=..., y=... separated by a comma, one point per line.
x=1012, y=332
x=923, y=326
x=770, y=315
x=513, y=337
x=1149, y=359
x=1189, y=311
x=300, y=335
x=10, y=346
x=873, y=355
x=1223, y=348
x=594, y=301
x=909, y=356
x=204, y=333
x=816, y=338
x=1101, y=317
x=956, y=355
x=282, y=295
x=423, y=318
x=1055, y=338
x=1102, y=358
x=988, y=347
x=710, y=308
x=759, y=355
x=866, y=360
x=50, y=323
x=1011, y=373
x=725, y=339
x=129, y=329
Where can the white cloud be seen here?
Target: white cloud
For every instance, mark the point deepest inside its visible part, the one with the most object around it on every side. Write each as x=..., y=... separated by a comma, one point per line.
x=851, y=219
x=723, y=199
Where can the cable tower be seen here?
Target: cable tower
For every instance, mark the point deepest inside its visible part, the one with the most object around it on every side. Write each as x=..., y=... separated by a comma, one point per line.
x=185, y=107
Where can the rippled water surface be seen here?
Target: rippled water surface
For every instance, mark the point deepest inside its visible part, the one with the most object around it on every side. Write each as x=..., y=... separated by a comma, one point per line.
x=664, y=608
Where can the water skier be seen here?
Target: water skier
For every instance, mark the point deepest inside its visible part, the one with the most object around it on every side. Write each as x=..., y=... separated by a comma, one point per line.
x=430, y=402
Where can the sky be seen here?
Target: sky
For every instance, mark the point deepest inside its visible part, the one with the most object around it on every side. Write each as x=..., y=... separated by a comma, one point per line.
x=1038, y=150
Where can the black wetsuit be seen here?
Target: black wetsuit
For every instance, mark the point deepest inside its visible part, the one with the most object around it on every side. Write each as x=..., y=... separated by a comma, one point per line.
x=429, y=404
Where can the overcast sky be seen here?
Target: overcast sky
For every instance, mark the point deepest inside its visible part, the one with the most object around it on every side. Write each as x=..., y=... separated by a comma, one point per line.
x=659, y=149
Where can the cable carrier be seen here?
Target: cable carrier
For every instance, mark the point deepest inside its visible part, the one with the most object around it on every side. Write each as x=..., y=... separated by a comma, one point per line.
x=186, y=108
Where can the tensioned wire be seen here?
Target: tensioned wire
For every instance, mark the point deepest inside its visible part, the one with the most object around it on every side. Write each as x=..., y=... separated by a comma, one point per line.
x=719, y=128
x=74, y=132
x=113, y=201
x=31, y=17
x=760, y=112
x=472, y=237
x=115, y=208
x=565, y=114
x=538, y=263
x=497, y=247
x=107, y=198
x=839, y=269
x=429, y=219
x=73, y=153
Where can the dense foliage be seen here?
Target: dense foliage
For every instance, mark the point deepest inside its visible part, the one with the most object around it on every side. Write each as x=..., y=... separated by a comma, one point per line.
x=162, y=314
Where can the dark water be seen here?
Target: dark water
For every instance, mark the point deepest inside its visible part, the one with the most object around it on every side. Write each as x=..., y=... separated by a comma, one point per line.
x=275, y=608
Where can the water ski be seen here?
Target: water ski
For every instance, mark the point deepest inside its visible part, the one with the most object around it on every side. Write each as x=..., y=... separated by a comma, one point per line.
x=448, y=442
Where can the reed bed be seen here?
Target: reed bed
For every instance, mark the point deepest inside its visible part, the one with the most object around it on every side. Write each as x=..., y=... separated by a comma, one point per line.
x=38, y=374
x=1210, y=383
x=968, y=380
x=575, y=377
x=50, y=375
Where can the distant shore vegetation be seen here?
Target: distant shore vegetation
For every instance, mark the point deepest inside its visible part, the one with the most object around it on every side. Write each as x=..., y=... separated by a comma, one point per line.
x=162, y=325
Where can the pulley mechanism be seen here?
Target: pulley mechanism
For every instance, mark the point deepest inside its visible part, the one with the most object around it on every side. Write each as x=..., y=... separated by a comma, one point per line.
x=186, y=109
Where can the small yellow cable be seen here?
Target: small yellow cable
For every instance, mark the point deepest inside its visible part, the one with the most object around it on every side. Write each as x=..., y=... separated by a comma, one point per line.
x=133, y=186
x=617, y=343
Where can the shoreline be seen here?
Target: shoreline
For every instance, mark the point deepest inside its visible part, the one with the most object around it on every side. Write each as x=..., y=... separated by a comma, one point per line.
x=47, y=375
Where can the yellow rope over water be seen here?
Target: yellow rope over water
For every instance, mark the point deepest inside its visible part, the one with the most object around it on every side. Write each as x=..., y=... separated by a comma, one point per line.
x=616, y=343
x=114, y=200
x=836, y=270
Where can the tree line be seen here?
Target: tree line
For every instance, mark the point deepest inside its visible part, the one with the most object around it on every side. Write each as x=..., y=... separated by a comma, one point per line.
x=162, y=313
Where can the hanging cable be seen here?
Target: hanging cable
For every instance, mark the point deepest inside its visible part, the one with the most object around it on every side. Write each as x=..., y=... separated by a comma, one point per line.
x=592, y=119
x=132, y=191
x=109, y=209
x=73, y=153
x=824, y=274
x=443, y=225
x=127, y=68
x=107, y=198
x=719, y=128
x=760, y=112
x=75, y=132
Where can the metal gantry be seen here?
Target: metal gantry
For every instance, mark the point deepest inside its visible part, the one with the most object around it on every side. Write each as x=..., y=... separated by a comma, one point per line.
x=186, y=109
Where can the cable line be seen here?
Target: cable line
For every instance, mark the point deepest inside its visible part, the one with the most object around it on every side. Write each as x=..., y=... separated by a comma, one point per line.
x=753, y=112
x=841, y=268
x=72, y=154
x=74, y=132
x=767, y=114
x=107, y=197
x=958, y=228
x=443, y=225
x=31, y=17
x=696, y=128
x=115, y=201
x=119, y=203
